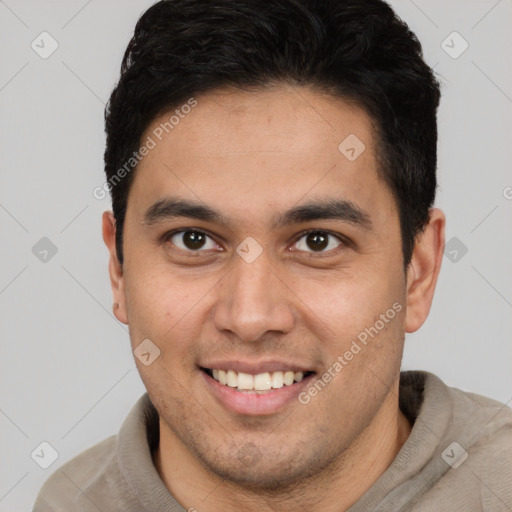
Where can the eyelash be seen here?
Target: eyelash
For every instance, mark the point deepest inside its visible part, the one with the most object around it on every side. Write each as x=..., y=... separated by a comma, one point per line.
x=345, y=242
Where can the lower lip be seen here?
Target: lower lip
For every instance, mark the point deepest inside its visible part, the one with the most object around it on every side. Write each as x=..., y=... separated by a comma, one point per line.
x=255, y=404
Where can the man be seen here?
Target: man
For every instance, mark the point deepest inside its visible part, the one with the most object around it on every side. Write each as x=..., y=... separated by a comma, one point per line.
x=273, y=171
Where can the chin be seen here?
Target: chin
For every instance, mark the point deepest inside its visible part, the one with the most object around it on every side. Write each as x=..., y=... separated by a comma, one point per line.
x=263, y=477
x=259, y=468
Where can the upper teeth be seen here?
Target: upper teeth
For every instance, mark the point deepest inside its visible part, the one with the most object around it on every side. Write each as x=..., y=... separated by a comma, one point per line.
x=259, y=382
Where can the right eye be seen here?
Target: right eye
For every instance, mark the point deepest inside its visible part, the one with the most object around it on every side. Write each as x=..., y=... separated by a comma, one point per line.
x=191, y=240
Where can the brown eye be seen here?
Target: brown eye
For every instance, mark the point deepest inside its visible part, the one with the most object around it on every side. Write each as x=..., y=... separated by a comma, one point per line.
x=318, y=241
x=191, y=240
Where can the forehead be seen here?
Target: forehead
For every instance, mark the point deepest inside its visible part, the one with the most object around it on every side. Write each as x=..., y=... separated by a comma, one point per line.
x=239, y=149
x=296, y=120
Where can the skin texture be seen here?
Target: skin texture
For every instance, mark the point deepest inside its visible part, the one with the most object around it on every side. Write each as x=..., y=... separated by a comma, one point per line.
x=253, y=155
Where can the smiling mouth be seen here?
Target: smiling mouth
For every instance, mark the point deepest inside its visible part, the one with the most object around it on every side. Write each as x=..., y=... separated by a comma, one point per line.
x=260, y=383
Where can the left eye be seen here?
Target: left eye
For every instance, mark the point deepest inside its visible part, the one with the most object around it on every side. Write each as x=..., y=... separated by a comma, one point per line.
x=318, y=241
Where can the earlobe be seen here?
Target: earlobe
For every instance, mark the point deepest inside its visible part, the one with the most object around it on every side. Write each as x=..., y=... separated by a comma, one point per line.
x=424, y=269
x=115, y=268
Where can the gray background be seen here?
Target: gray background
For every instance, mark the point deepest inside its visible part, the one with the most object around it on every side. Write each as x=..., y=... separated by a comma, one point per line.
x=68, y=376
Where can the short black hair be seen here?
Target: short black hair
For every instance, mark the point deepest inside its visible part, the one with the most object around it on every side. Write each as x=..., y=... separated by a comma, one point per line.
x=358, y=50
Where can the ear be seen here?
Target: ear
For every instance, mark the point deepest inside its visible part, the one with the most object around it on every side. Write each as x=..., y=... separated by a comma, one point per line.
x=115, y=268
x=423, y=271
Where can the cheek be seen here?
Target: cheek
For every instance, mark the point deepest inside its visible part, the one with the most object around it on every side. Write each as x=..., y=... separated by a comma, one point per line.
x=345, y=303
x=161, y=306
x=166, y=311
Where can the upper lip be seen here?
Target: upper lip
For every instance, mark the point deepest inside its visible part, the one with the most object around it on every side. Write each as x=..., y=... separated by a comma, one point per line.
x=255, y=368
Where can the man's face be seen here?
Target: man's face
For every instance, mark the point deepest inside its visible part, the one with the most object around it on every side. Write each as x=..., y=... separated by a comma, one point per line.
x=284, y=300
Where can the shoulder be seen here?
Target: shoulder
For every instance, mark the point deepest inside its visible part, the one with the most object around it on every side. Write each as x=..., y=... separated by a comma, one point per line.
x=486, y=430
x=486, y=419
x=475, y=421
x=477, y=449
x=104, y=476
x=72, y=486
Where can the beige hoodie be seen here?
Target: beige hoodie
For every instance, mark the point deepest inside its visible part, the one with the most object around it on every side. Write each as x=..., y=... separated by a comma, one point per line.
x=458, y=458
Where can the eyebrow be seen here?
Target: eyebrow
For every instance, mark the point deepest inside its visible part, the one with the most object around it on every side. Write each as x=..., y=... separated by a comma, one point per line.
x=324, y=209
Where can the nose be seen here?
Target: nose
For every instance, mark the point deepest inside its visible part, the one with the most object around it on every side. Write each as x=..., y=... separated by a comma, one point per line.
x=254, y=300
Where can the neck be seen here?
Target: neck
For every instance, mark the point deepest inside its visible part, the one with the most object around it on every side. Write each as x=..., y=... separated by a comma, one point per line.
x=342, y=483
